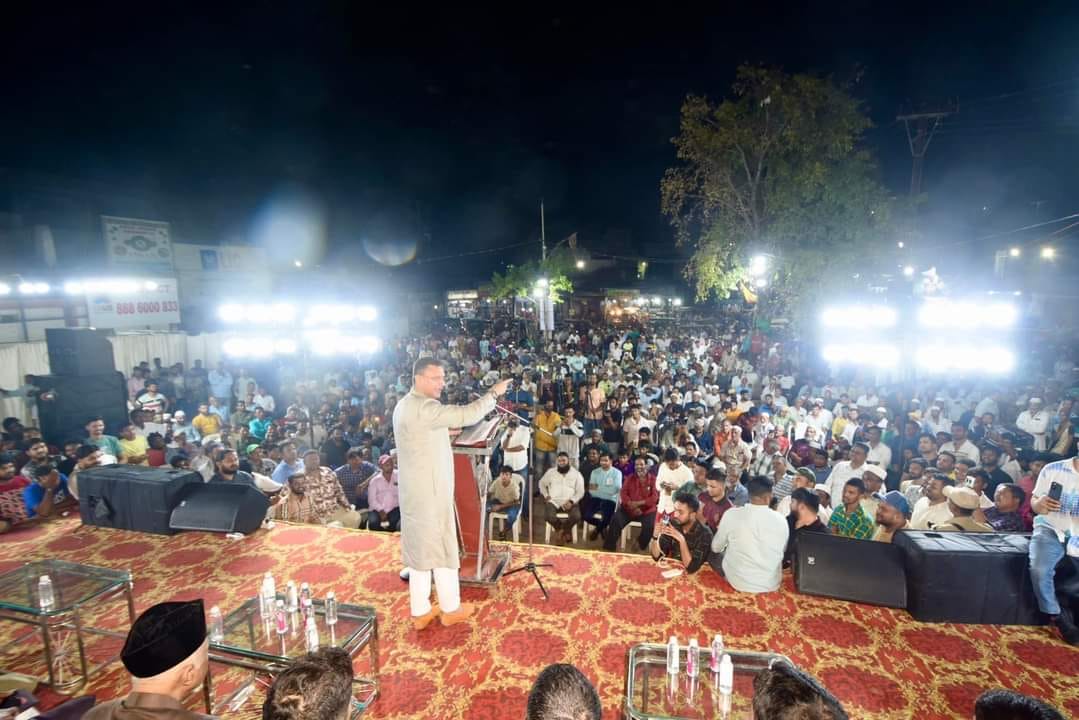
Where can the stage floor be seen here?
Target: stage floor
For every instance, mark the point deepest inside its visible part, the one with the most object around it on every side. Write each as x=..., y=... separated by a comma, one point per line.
x=879, y=662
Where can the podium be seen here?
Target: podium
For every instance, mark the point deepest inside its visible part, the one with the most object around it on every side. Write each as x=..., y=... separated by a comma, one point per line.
x=472, y=451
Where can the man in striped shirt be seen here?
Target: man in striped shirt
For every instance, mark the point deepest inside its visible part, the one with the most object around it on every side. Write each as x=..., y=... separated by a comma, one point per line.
x=1056, y=534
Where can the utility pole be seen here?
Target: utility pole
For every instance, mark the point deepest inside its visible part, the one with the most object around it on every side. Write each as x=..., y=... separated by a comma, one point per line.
x=543, y=233
x=925, y=124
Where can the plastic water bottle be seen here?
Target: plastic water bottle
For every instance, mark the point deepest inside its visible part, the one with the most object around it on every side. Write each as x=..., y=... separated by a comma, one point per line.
x=331, y=609
x=292, y=596
x=217, y=625
x=311, y=634
x=305, y=592
x=281, y=618
x=268, y=595
x=693, y=659
x=726, y=675
x=307, y=608
x=672, y=656
x=717, y=653
x=46, y=597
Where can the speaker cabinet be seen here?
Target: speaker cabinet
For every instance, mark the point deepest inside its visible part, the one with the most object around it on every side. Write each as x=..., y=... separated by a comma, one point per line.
x=79, y=351
x=848, y=569
x=79, y=398
x=132, y=497
x=220, y=507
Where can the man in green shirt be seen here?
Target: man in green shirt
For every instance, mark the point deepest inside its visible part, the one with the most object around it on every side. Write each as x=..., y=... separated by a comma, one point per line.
x=849, y=519
x=95, y=431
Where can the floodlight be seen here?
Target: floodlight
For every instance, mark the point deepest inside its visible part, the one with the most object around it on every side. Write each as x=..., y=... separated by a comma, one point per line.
x=1048, y=252
x=258, y=314
x=74, y=288
x=760, y=282
x=367, y=313
x=1015, y=252
x=285, y=347
x=580, y=264
x=297, y=263
x=758, y=265
x=657, y=301
x=26, y=288
x=5, y=289
x=283, y=312
x=873, y=316
x=677, y=302
x=908, y=270
x=900, y=244
x=235, y=347
x=542, y=282
x=536, y=292
x=151, y=285
x=231, y=313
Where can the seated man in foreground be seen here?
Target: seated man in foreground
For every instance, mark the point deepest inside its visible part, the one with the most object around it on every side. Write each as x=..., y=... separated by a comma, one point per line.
x=167, y=655
x=562, y=691
x=316, y=686
x=750, y=541
x=682, y=537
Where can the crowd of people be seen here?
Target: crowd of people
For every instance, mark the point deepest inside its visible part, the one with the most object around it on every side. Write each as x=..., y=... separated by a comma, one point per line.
x=717, y=449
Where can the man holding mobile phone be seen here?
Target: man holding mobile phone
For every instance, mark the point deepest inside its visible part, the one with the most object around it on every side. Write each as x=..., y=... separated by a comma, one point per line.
x=1055, y=502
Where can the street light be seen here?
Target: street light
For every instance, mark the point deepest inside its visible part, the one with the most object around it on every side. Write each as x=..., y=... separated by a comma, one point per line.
x=542, y=282
x=901, y=244
x=908, y=270
x=1048, y=252
x=297, y=263
x=1015, y=252
x=760, y=282
x=580, y=264
x=758, y=265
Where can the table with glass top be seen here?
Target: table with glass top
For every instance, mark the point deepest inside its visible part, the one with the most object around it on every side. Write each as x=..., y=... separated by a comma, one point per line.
x=252, y=642
x=652, y=694
x=77, y=589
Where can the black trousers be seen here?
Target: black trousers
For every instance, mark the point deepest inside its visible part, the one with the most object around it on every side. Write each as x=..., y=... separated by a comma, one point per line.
x=393, y=516
x=619, y=522
x=590, y=506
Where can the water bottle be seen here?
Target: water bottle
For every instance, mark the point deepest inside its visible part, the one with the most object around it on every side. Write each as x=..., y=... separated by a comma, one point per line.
x=217, y=625
x=293, y=597
x=717, y=653
x=268, y=584
x=693, y=659
x=672, y=656
x=281, y=618
x=311, y=634
x=331, y=609
x=46, y=597
x=267, y=596
x=307, y=607
x=305, y=592
x=726, y=675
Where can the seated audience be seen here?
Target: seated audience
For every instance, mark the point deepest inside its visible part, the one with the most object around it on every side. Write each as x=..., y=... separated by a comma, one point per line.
x=802, y=518
x=1004, y=515
x=1010, y=705
x=167, y=655
x=47, y=492
x=86, y=456
x=783, y=692
x=155, y=454
x=133, y=447
x=962, y=502
x=1056, y=523
x=207, y=423
x=504, y=496
x=327, y=495
x=315, y=686
x=562, y=692
x=382, y=497
x=12, y=504
x=892, y=513
x=750, y=541
x=850, y=519
x=873, y=479
x=803, y=478
x=714, y=500
x=932, y=509
x=562, y=487
x=682, y=537
x=638, y=500
x=227, y=468
x=259, y=425
x=823, y=492
x=180, y=425
x=671, y=475
x=604, y=488
x=290, y=462
x=355, y=476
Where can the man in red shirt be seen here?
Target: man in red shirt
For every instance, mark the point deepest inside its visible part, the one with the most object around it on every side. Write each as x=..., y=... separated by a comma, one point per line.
x=12, y=507
x=637, y=502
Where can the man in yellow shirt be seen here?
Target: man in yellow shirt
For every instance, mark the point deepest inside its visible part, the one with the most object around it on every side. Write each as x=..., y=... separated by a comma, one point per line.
x=133, y=448
x=206, y=422
x=545, y=441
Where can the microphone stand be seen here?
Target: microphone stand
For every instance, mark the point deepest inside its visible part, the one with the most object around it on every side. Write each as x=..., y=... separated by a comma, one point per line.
x=530, y=565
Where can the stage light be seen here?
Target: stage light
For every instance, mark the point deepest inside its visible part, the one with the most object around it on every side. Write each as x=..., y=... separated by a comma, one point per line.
x=900, y=245
x=26, y=288
x=542, y=282
x=283, y=312
x=369, y=344
x=1015, y=252
x=297, y=263
x=943, y=312
x=760, y=282
x=285, y=347
x=580, y=264
x=258, y=314
x=151, y=285
x=873, y=316
x=758, y=265
x=367, y=313
x=677, y=302
x=74, y=288
x=908, y=270
x=5, y=289
x=879, y=355
x=1048, y=252
x=992, y=360
x=536, y=292
x=231, y=313
x=235, y=347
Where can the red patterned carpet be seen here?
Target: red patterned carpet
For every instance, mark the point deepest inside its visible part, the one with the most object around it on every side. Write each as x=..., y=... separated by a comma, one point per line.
x=879, y=662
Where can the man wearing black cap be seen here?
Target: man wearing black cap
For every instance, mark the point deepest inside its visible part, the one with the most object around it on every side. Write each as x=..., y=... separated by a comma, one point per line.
x=166, y=653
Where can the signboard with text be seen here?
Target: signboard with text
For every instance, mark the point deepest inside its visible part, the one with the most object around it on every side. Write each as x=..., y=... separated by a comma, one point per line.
x=138, y=245
x=159, y=307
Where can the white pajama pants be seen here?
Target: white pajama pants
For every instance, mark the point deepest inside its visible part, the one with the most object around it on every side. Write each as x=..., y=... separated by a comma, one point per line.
x=447, y=587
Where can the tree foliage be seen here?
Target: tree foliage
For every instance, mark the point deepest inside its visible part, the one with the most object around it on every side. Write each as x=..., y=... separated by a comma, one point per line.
x=520, y=280
x=777, y=169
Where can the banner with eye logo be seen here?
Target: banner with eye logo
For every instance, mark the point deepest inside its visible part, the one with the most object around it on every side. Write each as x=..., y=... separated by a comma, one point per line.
x=138, y=245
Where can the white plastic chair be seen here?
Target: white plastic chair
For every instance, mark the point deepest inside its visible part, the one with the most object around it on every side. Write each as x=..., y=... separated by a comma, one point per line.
x=625, y=533
x=502, y=518
x=560, y=516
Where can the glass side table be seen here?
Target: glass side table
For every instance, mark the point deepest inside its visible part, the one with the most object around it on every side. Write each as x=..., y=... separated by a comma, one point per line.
x=252, y=642
x=63, y=627
x=652, y=694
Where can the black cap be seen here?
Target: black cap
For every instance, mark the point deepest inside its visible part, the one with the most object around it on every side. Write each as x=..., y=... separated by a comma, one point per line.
x=163, y=637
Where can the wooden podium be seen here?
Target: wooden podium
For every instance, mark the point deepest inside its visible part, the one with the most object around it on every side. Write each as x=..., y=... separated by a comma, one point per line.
x=472, y=451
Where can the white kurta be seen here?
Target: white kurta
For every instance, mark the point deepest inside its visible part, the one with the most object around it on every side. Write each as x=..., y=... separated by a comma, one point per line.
x=425, y=464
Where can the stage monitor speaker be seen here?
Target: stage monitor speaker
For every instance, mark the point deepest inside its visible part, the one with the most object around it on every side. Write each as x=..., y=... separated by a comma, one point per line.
x=79, y=351
x=859, y=570
x=77, y=399
x=220, y=507
x=969, y=577
x=132, y=497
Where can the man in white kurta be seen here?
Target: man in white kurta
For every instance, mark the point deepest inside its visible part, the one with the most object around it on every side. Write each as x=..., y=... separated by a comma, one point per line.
x=425, y=467
x=1035, y=420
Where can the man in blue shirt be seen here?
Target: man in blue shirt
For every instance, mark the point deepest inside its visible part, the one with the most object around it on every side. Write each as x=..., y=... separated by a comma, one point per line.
x=259, y=425
x=47, y=491
x=220, y=381
x=290, y=464
x=604, y=489
x=522, y=400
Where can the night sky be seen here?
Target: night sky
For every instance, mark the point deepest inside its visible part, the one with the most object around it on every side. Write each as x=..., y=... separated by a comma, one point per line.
x=444, y=128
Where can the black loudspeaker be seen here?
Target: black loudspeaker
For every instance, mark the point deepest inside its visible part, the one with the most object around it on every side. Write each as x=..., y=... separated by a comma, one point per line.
x=860, y=570
x=220, y=507
x=79, y=351
x=969, y=577
x=132, y=497
x=77, y=399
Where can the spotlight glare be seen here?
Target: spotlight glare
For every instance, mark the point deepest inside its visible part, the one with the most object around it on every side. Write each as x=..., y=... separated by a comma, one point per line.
x=283, y=312
x=1015, y=252
x=580, y=264
x=542, y=282
x=231, y=313
x=760, y=282
x=26, y=288
x=677, y=302
x=285, y=347
x=235, y=347
x=1048, y=252
x=5, y=289
x=151, y=285
x=758, y=265
x=872, y=316
x=536, y=292
x=74, y=288
x=367, y=313
x=908, y=270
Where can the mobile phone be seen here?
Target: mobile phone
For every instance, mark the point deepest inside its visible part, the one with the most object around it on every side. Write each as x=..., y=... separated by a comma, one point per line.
x=666, y=519
x=1055, y=489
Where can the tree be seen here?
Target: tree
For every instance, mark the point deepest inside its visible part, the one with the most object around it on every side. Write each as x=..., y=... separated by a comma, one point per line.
x=778, y=169
x=520, y=280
